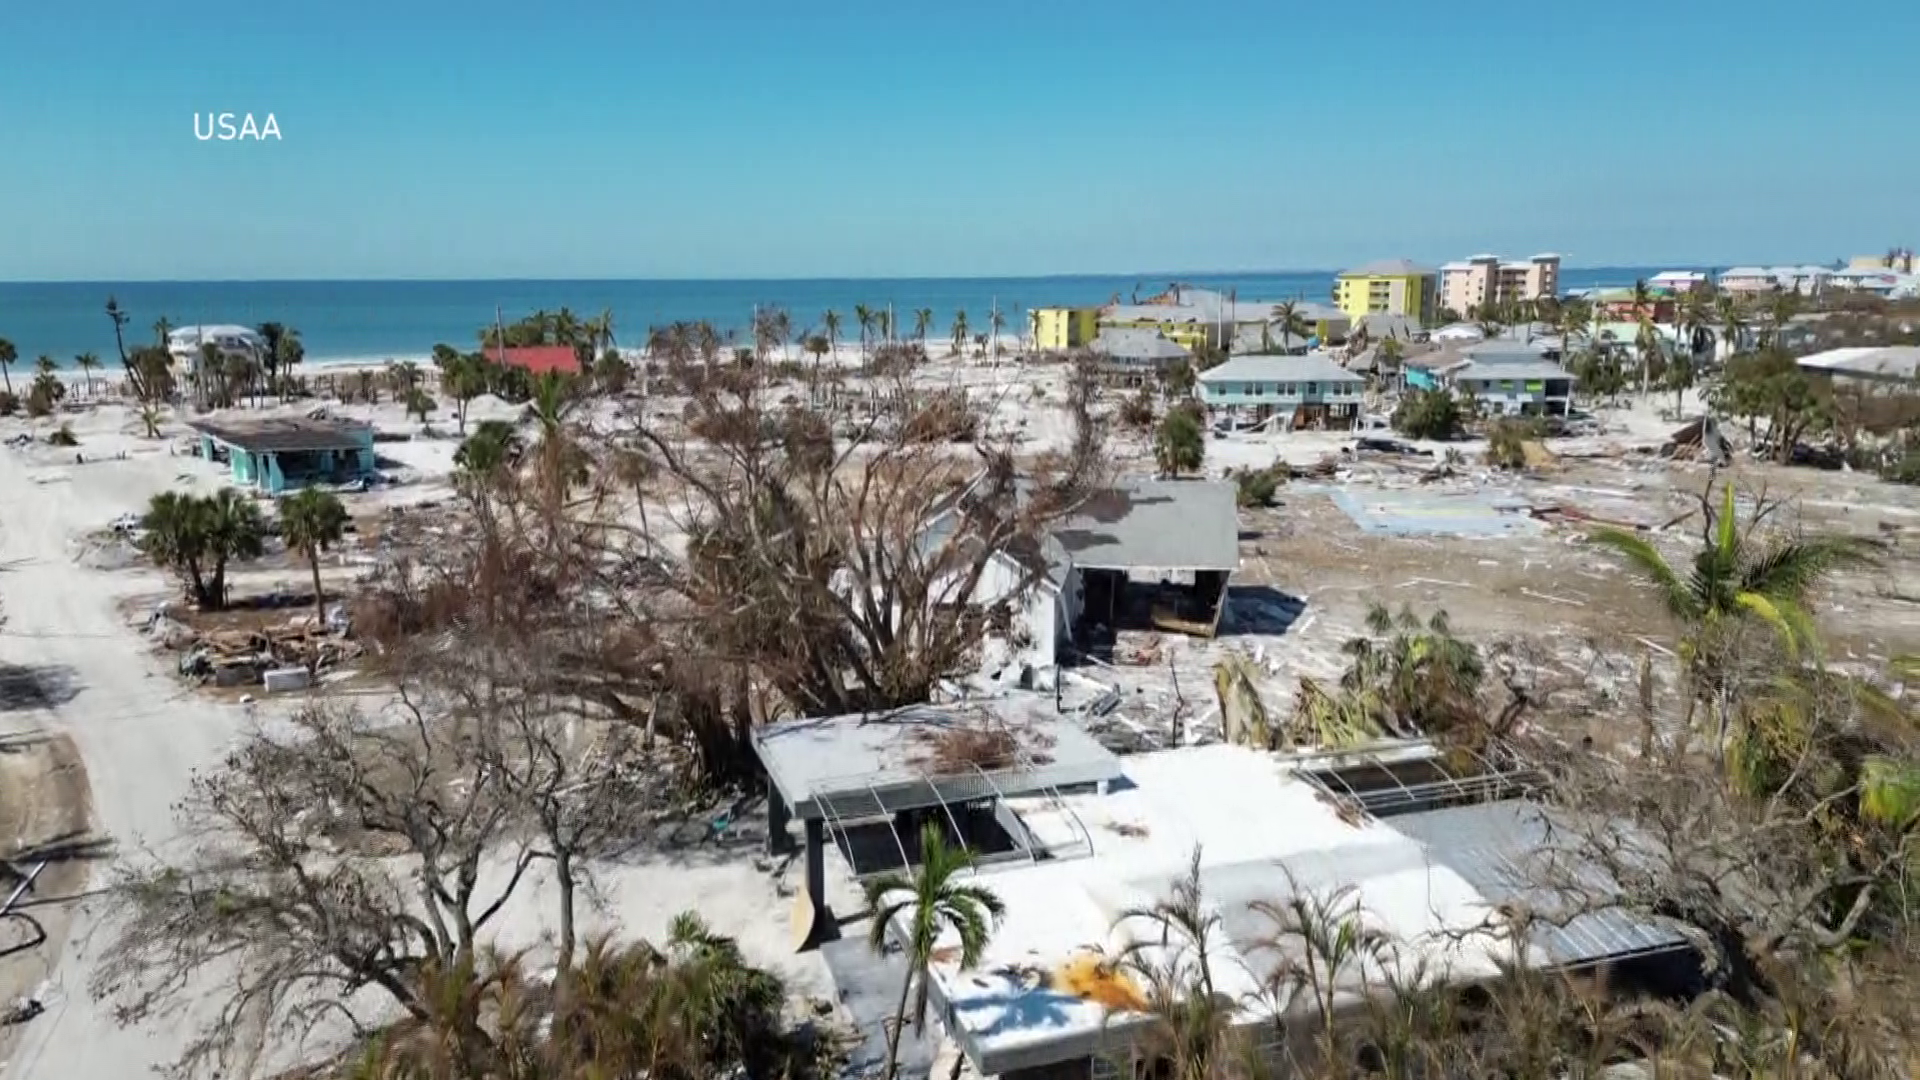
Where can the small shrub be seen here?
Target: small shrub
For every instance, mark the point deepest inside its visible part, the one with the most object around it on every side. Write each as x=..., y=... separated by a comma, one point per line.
x=1428, y=414
x=1137, y=411
x=64, y=437
x=1257, y=487
x=1507, y=445
x=9, y=403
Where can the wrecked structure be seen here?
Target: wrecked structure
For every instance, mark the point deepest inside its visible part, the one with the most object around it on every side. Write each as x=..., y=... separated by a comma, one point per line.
x=869, y=782
x=1138, y=553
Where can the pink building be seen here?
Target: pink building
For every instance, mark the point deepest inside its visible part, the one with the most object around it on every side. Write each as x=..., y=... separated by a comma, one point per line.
x=1466, y=286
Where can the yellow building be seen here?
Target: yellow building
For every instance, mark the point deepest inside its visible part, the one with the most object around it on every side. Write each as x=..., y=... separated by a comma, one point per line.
x=1064, y=327
x=1388, y=287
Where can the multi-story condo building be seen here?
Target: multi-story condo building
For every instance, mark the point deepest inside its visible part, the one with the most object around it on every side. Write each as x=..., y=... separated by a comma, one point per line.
x=1388, y=287
x=1468, y=285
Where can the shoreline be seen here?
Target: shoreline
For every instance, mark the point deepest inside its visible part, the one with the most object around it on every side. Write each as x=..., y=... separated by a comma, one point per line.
x=844, y=353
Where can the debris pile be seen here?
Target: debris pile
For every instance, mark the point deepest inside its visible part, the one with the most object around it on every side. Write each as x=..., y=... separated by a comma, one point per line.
x=256, y=657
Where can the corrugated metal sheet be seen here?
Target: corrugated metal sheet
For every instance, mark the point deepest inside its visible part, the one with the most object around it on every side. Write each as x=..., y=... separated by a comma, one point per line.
x=1498, y=847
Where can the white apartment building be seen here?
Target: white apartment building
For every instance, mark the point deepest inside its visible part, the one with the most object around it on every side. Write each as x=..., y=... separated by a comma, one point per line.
x=1806, y=280
x=1467, y=285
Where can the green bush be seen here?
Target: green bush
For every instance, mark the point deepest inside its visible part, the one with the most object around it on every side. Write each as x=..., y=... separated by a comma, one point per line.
x=1428, y=414
x=1257, y=487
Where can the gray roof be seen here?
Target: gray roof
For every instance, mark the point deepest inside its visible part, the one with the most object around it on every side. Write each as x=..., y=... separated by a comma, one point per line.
x=1501, y=351
x=1210, y=306
x=1519, y=369
x=1309, y=368
x=1139, y=346
x=844, y=765
x=1388, y=268
x=1382, y=325
x=1156, y=525
x=1502, y=850
x=285, y=434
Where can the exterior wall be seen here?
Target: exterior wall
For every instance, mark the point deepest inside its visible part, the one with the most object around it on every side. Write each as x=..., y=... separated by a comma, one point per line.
x=1398, y=294
x=1065, y=328
x=1464, y=288
x=1045, y=613
x=1509, y=396
x=1280, y=395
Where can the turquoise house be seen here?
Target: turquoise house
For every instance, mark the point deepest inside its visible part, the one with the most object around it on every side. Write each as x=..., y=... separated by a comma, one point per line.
x=275, y=454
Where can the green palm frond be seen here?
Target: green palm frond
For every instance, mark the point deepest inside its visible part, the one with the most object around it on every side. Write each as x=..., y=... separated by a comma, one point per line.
x=1791, y=568
x=1681, y=599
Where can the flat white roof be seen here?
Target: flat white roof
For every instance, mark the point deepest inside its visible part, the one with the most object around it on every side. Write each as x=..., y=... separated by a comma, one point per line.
x=889, y=760
x=1868, y=361
x=1257, y=826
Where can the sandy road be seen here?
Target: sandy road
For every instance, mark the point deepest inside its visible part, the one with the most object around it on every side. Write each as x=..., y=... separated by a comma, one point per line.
x=139, y=732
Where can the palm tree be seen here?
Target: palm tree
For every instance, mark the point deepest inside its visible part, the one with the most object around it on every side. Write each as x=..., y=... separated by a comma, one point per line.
x=312, y=521
x=1287, y=314
x=88, y=363
x=960, y=332
x=196, y=536
x=1780, y=310
x=483, y=455
x=883, y=324
x=1736, y=578
x=1573, y=317
x=44, y=365
x=1179, y=446
x=162, y=326
x=863, y=315
x=922, y=322
x=931, y=901
x=8, y=354
x=996, y=322
x=830, y=322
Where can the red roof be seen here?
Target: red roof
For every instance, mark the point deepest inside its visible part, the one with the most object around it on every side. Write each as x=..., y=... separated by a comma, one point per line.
x=539, y=358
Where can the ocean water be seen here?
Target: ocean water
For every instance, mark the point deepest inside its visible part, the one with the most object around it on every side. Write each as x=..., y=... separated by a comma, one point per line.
x=380, y=320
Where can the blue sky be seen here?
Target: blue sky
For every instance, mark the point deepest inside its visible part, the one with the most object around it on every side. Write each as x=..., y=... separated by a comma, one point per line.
x=624, y=138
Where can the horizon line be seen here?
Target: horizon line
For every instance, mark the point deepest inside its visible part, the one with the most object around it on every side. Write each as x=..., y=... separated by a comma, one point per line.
x=1175, y=275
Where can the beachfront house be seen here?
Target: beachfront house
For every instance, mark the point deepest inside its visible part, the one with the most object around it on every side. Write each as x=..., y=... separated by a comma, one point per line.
x=1128, y=357
x=187, y=344
x=537, y=359
x=1300, y=391
x=275, y=454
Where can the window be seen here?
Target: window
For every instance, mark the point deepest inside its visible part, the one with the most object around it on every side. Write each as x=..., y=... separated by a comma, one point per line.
x=1312, y=389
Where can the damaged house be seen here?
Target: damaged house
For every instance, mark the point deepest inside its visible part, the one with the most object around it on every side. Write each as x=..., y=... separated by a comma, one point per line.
x=1139, y=553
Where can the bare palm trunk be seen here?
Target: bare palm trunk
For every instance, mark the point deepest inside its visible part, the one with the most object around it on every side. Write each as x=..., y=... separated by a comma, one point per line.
x=899, y=1023
x=563, y=963
x=319, y=598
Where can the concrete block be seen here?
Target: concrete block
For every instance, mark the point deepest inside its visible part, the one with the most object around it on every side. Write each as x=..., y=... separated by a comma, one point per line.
x=284, y=679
